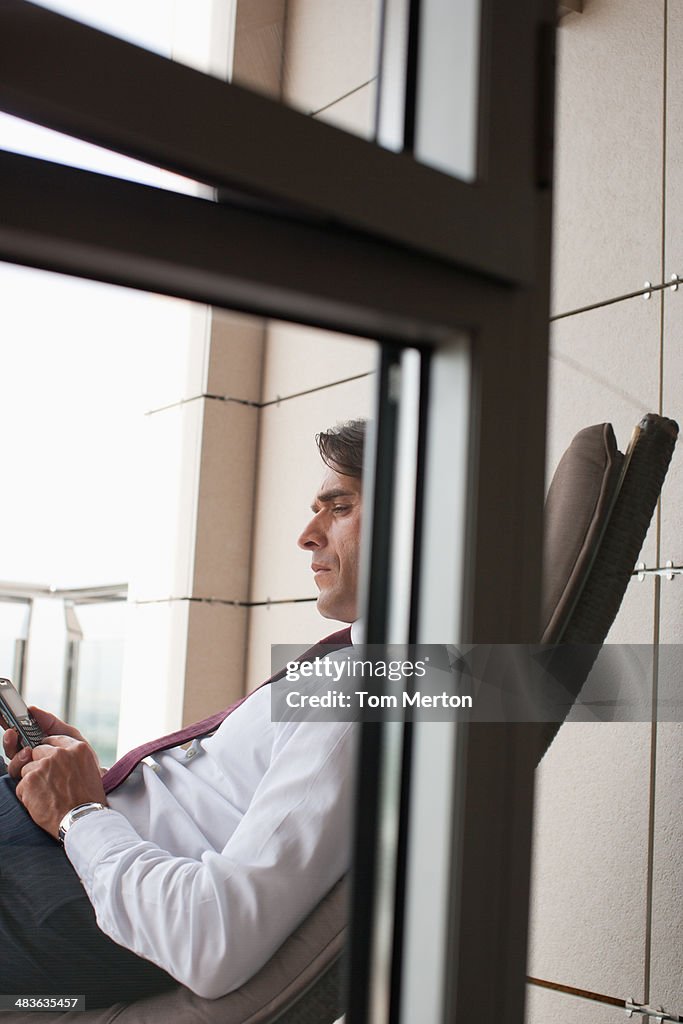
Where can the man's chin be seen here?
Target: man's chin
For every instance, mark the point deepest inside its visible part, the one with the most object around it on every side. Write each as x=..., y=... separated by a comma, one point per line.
x=329, y=609
x=325, y=608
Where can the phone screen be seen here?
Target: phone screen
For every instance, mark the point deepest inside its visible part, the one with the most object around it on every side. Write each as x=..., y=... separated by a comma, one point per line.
x=12, y=699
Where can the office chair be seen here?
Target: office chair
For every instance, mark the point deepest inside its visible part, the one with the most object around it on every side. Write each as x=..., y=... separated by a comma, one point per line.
x=597, y=513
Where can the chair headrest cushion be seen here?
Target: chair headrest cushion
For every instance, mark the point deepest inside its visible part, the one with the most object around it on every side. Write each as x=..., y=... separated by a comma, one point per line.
x=576, y=510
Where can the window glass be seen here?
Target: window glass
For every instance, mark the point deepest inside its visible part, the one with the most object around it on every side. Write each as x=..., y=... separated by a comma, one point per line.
x=167, y=450
x=20, y=136
x=429, y=92
x=95, y=672
x=78, y=372
x=164, y=450
x=447, y=86
x=187, y=30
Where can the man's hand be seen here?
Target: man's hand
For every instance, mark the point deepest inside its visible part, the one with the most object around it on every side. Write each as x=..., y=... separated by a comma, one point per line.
x=60, y=774
x=51, y=726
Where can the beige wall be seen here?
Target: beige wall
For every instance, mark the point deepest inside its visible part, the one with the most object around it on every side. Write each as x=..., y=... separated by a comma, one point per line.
x=607, y=913
x=319, y=56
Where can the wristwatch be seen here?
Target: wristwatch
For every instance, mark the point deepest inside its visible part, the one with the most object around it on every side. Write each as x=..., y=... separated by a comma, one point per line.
x=74, y=814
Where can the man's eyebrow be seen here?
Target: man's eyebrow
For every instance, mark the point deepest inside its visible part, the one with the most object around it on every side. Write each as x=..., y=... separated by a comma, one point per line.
x=332, y=495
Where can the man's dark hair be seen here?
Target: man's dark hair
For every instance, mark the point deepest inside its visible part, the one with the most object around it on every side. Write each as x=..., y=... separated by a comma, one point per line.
x=341, y=447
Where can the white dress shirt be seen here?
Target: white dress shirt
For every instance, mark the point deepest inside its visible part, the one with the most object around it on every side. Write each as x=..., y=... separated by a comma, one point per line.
x=212, y=855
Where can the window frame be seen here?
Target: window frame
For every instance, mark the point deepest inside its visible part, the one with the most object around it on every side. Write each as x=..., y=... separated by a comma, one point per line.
x=134, y=98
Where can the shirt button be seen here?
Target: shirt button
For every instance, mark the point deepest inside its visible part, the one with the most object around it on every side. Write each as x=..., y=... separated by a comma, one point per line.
x=191, y=752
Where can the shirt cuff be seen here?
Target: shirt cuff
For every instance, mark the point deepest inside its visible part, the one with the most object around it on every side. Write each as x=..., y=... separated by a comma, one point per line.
x=92, y=838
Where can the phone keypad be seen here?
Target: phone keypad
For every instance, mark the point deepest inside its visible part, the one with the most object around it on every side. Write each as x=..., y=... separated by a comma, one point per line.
x=32, y=732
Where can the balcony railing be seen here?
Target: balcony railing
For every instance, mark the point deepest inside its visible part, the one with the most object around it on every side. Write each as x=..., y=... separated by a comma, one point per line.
x=63, y=648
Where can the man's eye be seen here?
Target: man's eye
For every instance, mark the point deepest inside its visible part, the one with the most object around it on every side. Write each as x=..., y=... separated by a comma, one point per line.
x=340, y=508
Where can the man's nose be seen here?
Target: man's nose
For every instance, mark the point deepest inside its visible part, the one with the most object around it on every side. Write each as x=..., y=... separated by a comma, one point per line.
x=312, y=537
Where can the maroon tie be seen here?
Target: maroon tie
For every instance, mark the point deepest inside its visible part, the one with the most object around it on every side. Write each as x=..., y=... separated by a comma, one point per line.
x=119, y=772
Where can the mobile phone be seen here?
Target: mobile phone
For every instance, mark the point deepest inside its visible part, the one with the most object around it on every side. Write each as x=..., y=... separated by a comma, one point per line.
x=17, y=715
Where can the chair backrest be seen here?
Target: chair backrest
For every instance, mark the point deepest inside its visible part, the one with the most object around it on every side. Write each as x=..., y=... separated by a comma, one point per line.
x=598, y=509
x=597, y=514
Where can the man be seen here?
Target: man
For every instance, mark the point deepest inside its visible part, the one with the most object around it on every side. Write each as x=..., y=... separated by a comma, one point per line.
x=333, y=534
x=197, y=867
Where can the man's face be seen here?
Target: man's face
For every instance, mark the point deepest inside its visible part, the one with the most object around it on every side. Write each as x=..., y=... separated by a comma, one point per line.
x=333, y=538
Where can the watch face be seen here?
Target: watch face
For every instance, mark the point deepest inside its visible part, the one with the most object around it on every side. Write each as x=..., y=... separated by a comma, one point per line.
x=74, y=814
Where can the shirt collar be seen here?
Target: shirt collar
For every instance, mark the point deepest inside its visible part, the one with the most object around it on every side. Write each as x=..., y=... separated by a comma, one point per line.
x=357, y=632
